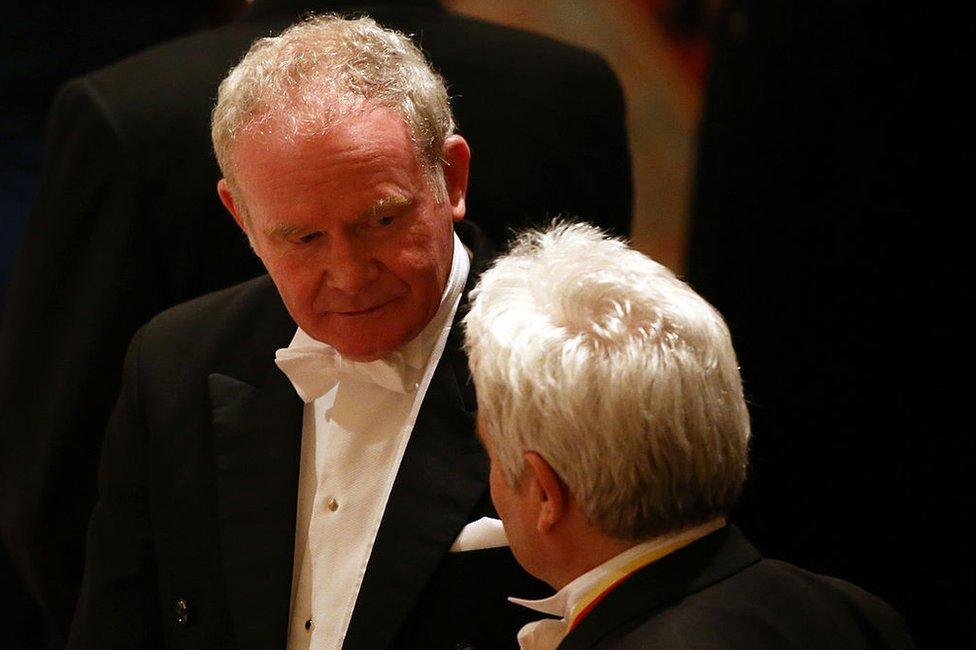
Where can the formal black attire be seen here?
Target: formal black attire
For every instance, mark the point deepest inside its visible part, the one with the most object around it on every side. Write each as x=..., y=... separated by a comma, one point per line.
x=191, y=542
x=128, y=224
x=720, y=593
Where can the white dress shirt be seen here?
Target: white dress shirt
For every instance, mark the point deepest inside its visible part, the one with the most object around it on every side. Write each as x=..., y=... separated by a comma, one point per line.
x=573, y=599
x=357, y=421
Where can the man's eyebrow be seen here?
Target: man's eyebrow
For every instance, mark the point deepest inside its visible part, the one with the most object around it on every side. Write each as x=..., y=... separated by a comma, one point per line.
x=389, y=203
x=284, y=230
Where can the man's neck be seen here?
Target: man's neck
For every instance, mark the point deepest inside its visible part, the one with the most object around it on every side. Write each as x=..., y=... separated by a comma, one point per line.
x=587, y=548
x=584, y=550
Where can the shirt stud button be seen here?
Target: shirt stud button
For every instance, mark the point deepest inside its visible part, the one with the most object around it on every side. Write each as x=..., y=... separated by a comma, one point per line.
x=308, y=624
x=332, y=505
x=182, y=612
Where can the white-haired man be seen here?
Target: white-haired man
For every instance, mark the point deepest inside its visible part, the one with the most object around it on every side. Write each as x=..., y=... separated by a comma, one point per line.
x=612, y=410
x=255, y=493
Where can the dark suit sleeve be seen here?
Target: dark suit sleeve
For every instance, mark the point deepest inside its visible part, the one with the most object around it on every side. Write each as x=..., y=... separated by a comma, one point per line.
x=118, y=604
x=82, y=285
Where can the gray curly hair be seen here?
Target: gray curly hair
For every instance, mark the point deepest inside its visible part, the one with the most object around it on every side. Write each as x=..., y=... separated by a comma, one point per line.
x=617, y=373
x=327, y=67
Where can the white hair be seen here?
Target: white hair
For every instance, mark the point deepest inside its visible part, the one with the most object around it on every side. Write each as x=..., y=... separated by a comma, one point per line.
x=326, y=68
x=617, y=373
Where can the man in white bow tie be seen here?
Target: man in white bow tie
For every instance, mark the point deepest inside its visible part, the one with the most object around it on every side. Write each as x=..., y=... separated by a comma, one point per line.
x=317, y=493
x=612, y=410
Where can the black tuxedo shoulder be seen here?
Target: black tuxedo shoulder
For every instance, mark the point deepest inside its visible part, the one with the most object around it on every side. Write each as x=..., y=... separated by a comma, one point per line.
x=769, y=605
x=844, y=596
x=720, y=593
x=214, y=309
x=230, y=330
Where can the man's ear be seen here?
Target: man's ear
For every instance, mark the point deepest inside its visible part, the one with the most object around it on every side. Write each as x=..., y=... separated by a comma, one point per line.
x=223, y=191
x=551, y=494
x=457, y=158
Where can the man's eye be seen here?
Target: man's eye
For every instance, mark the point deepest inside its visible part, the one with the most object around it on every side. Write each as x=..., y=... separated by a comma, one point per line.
x=309, y=238
x=383, y=222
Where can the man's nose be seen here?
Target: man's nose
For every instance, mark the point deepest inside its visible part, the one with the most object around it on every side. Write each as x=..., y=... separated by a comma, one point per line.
x=350, y=267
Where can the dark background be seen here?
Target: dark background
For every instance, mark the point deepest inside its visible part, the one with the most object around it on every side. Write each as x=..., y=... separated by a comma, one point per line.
x=812, y=190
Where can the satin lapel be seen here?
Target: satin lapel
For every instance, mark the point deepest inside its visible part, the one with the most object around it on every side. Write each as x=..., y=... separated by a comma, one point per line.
x=701, y=564
x=257, y=433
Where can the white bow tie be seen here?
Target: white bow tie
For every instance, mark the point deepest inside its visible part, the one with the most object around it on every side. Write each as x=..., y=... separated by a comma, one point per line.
x=314, y=370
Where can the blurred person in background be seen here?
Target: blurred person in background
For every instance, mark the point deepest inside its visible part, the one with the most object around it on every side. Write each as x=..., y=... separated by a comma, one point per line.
x=42, y=45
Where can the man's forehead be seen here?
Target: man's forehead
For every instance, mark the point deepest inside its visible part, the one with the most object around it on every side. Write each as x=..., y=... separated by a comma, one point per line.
x=379, y=133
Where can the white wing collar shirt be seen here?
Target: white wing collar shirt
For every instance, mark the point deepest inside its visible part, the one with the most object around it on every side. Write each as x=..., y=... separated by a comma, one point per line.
x=357, y=421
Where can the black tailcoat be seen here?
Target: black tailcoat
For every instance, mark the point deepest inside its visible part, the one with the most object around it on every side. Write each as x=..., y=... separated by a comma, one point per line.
x=198, y=485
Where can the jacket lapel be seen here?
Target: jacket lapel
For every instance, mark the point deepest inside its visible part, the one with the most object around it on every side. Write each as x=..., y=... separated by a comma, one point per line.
x=442, y=478
x=257, y=443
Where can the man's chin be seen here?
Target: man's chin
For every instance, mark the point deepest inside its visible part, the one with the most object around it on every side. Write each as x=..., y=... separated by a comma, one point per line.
x=363, y=336
x=361, y=342
x=357, y=351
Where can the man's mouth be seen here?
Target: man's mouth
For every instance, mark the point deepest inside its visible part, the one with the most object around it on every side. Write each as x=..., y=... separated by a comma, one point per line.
x=362, y=312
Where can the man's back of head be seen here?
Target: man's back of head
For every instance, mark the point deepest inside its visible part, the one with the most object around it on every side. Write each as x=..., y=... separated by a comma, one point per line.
x=615, y=371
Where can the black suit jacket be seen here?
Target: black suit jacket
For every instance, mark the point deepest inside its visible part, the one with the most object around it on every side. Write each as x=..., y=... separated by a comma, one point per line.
x=128, y=224
x=197, y=498
x=718, y=592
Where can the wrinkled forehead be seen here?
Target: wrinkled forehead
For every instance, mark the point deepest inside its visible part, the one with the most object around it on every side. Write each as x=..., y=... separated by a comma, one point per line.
x=306, y=116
